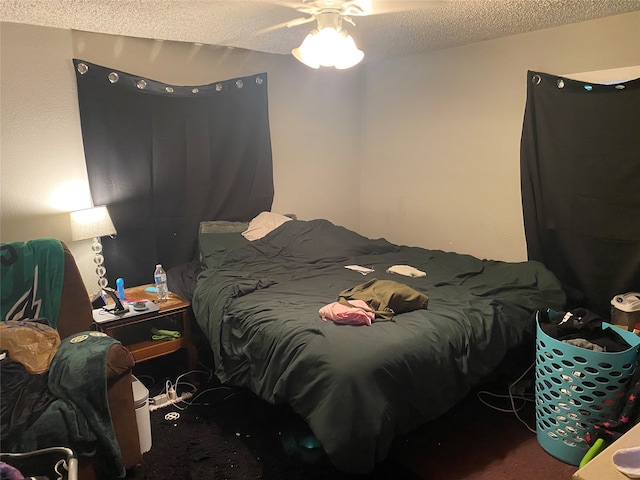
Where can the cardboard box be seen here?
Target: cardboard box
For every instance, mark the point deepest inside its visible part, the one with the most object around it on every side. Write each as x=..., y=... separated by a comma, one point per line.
x=602, y=467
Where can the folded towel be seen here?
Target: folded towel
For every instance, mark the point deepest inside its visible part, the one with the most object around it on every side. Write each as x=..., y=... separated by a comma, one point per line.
x=159, y=334
x=406, y=270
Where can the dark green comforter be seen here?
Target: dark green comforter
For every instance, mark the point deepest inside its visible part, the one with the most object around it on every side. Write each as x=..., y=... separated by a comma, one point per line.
x=358, y=387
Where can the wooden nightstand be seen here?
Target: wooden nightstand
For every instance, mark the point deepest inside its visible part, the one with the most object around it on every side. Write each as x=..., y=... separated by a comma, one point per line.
x=134, y=332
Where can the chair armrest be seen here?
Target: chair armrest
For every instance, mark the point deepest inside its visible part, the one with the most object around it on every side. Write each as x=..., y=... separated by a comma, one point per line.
x=76, y=374
x=120, y=362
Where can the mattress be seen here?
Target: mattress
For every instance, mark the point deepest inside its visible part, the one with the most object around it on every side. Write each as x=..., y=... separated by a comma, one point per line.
x=358, y=387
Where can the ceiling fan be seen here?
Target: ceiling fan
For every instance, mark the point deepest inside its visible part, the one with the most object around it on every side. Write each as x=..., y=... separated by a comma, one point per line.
x=329, y=44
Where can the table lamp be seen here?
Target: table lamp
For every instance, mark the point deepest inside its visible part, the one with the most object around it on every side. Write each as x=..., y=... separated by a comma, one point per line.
x=93, y=223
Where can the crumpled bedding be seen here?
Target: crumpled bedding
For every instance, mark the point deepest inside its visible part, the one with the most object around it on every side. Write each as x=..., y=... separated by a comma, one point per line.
x=359, y=387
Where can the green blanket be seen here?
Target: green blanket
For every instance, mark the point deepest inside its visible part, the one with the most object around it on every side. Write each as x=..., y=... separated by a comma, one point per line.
x=79, y=418
x=31, y=274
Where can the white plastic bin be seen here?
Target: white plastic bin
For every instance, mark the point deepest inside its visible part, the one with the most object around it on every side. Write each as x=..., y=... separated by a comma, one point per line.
x=141, y=401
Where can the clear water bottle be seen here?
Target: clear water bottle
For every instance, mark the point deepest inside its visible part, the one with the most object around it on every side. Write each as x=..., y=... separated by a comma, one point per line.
x=160, y=277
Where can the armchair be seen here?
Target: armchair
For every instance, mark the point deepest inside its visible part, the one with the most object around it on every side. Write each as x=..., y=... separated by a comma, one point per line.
x=74, y=317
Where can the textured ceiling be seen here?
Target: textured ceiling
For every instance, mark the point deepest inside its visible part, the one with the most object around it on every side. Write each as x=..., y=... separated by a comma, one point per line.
x=428, y=25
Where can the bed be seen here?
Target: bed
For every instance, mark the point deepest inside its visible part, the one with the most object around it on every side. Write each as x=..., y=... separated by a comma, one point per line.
x=358, y=387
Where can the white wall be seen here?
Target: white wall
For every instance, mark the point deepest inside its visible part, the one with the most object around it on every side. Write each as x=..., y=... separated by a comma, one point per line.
x=314, y=118
x=41, y=148
x=422, y=150
x=441, y=134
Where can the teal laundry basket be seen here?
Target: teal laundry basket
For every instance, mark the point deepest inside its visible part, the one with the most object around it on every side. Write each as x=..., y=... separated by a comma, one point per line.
x=576, y=388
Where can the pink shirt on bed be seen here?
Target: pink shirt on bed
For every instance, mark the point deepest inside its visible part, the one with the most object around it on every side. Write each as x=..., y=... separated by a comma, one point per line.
x=354, y=315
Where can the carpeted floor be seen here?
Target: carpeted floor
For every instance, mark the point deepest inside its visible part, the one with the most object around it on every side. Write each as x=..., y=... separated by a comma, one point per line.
x=233, y=435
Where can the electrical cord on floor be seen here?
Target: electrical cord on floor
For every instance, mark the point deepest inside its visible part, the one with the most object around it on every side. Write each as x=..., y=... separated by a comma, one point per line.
x=176, y=393
x=146, y=379
x=192, y=400
x=512, y=397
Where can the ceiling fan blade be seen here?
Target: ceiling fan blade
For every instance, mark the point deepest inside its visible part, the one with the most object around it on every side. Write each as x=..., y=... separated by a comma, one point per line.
x=347, y=8
x=299, y=21
x=379, y=7
x=288, y=24
x=356, y=7
x=304, y=6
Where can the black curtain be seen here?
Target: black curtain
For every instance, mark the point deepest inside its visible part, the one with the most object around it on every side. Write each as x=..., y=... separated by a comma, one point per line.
x=165, y=157
x=580, y=176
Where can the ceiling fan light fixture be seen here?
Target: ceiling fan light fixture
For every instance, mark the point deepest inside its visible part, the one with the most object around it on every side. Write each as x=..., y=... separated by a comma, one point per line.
x=348, y=55
x=307, y=51
x=328, y=46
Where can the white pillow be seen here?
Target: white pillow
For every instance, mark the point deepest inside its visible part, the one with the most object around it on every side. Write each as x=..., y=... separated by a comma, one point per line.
x=262, y=224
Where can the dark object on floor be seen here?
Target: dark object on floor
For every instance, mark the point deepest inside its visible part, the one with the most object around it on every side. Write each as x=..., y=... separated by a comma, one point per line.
x=232, y=434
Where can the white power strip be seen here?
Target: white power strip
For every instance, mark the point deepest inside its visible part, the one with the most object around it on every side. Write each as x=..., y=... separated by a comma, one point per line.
x=163, y=400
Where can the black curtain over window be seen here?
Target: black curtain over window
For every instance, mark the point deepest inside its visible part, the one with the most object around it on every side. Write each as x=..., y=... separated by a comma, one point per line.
x=580, y=174
x=165, y=157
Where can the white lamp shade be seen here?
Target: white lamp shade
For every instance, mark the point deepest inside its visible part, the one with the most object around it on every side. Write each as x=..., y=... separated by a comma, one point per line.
x=328, y=47
x=91, y=223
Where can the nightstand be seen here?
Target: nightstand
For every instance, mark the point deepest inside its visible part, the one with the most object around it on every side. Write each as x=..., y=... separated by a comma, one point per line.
x=135, y=333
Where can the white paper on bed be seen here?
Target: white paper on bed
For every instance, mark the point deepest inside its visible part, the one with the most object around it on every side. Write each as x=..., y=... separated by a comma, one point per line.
x=406, y=270
x=360, y=269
